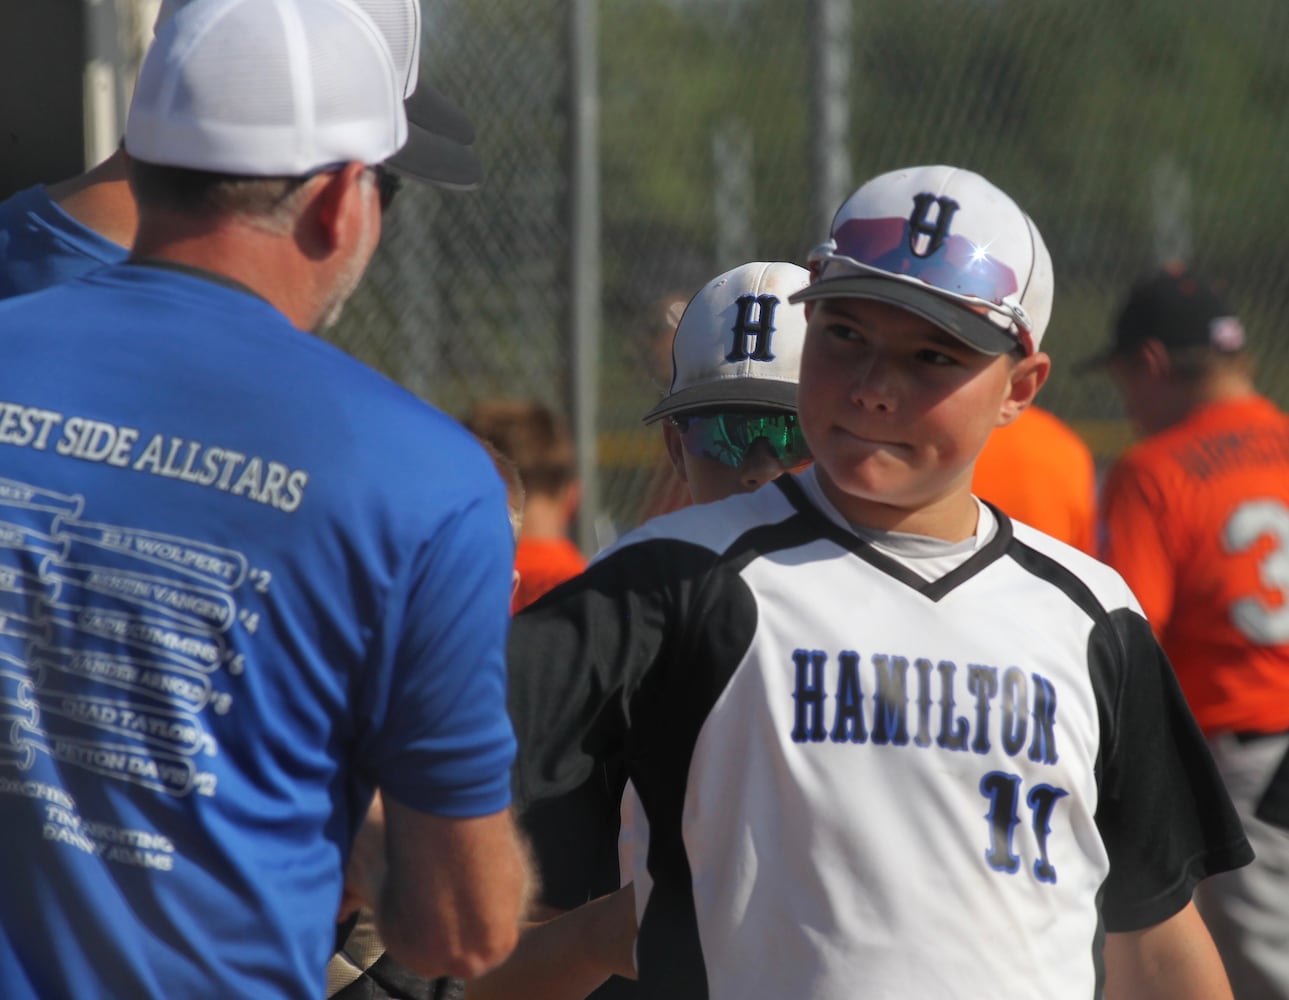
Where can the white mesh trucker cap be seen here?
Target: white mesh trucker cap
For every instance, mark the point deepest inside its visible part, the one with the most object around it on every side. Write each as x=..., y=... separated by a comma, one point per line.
x=399, y=22
x=439, y=133
x=947, y=245
x=266, y=88
x=738, y=343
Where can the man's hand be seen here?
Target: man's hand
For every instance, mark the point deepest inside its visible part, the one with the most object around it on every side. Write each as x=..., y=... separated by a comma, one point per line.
x=453, y=890
x=365, y=873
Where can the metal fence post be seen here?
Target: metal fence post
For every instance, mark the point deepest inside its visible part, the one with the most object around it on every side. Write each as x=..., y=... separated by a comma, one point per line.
x=830, y=107
x=584, y=262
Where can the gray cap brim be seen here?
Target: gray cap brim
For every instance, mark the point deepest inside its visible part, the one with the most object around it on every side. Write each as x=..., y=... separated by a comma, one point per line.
x=428, y=156
x=438, y=139
x=973, y=330
x=724, y=395
x=437, y=113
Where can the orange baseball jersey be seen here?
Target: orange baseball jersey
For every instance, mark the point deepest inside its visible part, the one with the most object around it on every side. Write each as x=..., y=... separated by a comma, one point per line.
x=1039, y=471
x=1196, y=519
x=543, y=563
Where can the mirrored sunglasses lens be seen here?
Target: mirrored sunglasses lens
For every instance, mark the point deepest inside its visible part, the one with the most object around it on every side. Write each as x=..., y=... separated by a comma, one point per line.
x=958, y=266
x=728, y=438
x=705, y=437
x=794, y=452
x=784, y=436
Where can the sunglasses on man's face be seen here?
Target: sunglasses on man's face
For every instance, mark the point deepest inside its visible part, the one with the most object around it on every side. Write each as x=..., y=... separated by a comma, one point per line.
x=388, y=184
x=728, y=437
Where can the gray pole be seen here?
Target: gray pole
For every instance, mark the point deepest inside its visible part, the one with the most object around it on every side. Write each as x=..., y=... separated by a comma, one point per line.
x=105, y=95
x=735, y=198
x=1171, y=202
x=830, y=107
x=584, y=263
x=117, y=33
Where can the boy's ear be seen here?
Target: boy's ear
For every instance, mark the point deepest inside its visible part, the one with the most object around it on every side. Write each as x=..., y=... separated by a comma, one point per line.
x=572, y=498
x=1027, y=377
x=675, y=449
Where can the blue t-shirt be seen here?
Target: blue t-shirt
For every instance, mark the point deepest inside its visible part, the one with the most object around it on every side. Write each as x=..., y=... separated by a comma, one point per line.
x=244, y=579
x=41, y=245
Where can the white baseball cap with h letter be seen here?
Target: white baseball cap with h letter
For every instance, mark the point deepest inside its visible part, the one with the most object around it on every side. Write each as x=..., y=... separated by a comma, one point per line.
x=738, y=343
x=946, y=245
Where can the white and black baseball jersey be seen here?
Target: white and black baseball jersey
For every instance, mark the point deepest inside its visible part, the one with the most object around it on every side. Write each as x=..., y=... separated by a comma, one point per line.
x=861, y=782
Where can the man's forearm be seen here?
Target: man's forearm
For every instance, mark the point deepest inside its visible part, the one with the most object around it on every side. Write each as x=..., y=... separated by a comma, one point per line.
x=367, y=866
x=454, y=893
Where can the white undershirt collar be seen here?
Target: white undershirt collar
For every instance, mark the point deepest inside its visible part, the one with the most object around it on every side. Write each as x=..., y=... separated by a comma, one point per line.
x=930, y=558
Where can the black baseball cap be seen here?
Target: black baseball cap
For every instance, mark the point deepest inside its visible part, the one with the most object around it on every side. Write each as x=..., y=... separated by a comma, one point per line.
x=1176, y=306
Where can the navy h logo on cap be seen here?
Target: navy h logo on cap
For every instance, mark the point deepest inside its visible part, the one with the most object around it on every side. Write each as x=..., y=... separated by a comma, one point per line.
x=934, y=233
x=762, y=328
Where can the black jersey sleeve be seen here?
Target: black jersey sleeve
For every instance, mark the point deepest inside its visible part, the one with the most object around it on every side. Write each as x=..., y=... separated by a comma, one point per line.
x=578, y=655
x=1163, y=811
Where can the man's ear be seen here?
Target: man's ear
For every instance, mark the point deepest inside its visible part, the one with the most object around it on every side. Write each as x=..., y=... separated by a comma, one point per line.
x=1027, y=377
x=337, y=205
x=675, y=448
x=1153, y=356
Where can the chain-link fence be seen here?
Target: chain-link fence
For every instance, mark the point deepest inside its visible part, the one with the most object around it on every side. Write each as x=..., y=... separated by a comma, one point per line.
x=1131, y=130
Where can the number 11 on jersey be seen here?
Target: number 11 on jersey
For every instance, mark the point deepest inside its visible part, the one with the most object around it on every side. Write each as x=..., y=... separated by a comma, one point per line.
x=1003, y=792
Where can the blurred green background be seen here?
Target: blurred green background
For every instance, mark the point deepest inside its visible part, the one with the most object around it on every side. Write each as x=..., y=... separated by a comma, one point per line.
x=1133, y=131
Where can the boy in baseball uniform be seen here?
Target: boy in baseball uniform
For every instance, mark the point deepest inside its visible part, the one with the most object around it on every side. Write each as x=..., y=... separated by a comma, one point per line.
x=886, y=742
x=728, y=423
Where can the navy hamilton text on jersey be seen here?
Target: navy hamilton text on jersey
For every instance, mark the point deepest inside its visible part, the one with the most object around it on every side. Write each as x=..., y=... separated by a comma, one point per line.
x=936, y=723
x=935, y=687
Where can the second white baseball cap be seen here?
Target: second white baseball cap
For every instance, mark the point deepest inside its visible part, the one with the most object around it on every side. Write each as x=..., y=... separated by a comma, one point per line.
x=738, y=343
x=947, y=245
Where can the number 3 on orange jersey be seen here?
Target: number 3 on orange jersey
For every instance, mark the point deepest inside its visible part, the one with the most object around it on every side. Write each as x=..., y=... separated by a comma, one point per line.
x=1259, y=623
